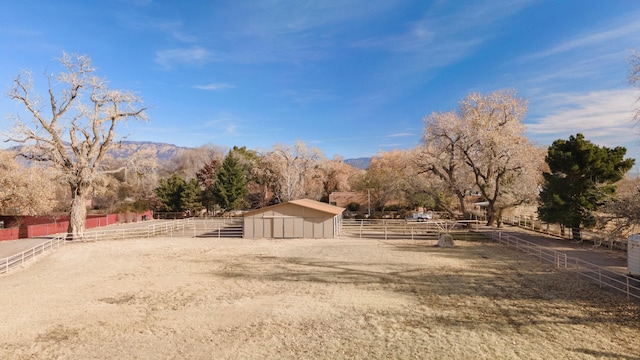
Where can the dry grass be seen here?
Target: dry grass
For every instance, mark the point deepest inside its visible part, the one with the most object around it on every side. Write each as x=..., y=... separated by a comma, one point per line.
x=292, y=299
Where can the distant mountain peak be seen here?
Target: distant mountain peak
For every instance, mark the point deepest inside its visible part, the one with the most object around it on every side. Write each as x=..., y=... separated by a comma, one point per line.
x=359, y=163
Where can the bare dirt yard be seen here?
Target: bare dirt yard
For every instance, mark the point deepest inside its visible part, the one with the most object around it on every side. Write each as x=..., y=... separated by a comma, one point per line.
x=185, y=298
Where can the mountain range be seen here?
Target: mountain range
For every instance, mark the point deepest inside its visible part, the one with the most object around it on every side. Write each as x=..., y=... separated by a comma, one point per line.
x=165, y=152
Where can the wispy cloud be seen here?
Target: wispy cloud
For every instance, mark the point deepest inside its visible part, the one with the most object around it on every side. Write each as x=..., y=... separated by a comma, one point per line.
x=190, y=56
x=402, y=134
x=307, y=96
x=441, y=28
x=441, y=37
x=175, y=30
x=604, y=117
x=224, y=124
x=214, y=86
x=590, y=39
x=140, y=20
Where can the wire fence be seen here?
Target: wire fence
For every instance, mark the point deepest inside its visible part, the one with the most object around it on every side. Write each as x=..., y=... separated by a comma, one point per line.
x=605, y=278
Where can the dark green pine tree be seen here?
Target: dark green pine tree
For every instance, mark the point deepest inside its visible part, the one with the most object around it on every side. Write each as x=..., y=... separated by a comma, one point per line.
x=230, y=186
x=177, y=195
x=191, y=198
x=169, y=192
x=582, y=176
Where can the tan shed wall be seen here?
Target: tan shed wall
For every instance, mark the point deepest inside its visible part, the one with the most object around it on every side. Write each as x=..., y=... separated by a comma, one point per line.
x=290, y=221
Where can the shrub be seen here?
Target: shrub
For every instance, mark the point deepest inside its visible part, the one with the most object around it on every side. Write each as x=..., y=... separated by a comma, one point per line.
x=353, y=206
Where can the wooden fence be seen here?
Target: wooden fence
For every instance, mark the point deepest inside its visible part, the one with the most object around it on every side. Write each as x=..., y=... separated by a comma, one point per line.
x=9, y=234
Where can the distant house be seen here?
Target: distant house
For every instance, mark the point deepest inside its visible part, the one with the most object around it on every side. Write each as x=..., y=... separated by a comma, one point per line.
x=294, y=219
x=344, y=198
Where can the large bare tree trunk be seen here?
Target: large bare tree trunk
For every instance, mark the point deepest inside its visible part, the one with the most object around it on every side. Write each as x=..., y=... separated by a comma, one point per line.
x=492, y=216
x=78, y=213
x=577, y=233
x=77, y=131
x=463, y=206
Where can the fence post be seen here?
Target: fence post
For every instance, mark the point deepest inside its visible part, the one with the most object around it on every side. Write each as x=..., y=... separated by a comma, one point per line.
x=600, y=277
x=628, y=290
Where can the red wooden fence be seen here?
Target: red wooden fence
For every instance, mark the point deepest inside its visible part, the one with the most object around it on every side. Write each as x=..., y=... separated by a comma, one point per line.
x=9, y=234
x=93, y=221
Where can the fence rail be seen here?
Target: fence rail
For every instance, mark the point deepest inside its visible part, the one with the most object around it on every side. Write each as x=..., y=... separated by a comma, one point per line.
x=14, y=261
x=218, y=228
x=607, y=240
x=390, y=229
x=605, y=278
x=178, y=227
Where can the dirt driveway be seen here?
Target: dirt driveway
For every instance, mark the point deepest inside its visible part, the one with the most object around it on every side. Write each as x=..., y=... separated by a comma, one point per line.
x=185, y=298
x=614, y=260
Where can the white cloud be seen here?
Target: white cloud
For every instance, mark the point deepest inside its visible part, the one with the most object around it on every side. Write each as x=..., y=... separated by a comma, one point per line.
x=402, y=134
x=604, y=117
x=589, y=40
x=191, y=56
x=224, y=124
x=214, y=86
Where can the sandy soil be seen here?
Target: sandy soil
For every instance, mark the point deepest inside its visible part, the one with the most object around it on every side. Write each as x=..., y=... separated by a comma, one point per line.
x=306, y=299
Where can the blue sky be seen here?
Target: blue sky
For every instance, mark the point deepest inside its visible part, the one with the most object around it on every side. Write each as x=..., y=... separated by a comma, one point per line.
x=350, y=77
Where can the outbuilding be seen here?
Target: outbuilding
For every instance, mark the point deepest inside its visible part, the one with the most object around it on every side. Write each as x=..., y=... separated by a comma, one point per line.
x=302, y=218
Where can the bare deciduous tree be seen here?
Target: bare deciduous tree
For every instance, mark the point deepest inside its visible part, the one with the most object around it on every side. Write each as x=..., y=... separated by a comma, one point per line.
x=482, y=148
x=188, y=162
x=634, y=76
x=291, y=170
x=503, y=161
x=75, y=128
x=441, y=156
x=335, y=175
x=25, y=191
x=385, y=178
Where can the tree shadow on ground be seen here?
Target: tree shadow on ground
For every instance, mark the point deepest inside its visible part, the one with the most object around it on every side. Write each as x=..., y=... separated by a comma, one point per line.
x=489, y=289
x=605, y=354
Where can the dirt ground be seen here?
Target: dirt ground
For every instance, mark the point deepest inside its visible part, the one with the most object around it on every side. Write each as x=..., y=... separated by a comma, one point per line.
x=184, y=298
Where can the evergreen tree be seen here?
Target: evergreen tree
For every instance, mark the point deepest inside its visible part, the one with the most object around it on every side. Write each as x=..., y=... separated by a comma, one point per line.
x=177, y=195
x=191, y=197
x=230, y=186
x=169, y=192
x=582, y=176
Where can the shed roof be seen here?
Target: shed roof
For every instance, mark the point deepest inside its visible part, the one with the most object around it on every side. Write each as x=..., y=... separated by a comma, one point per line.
x=307, y=203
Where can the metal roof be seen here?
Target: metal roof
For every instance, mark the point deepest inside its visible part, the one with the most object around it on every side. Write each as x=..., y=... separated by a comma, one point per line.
x=307, y=203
